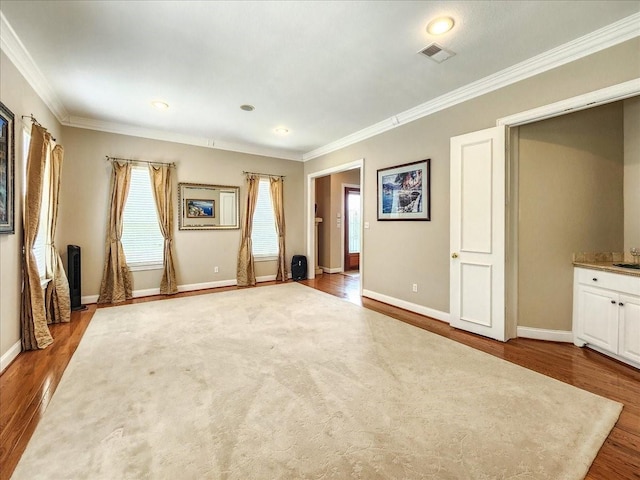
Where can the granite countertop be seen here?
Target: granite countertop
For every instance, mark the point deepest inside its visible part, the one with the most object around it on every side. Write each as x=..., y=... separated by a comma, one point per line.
x=604, y=262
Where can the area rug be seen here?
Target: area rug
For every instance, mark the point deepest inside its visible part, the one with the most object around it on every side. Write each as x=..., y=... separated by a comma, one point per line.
x=285, y=382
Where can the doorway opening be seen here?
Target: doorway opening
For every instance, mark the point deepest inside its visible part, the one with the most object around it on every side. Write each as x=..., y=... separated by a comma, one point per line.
x=352, y=219
x=334, y=220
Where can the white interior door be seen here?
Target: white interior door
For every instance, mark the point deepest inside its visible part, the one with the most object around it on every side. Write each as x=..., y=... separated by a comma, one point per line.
x=477, y=269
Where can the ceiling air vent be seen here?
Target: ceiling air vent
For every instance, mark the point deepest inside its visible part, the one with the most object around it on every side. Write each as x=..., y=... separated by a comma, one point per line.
x=436, y=53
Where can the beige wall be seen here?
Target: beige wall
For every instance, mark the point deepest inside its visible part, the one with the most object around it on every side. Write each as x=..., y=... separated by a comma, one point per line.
x=84, y=203
x=329, y=197
x=570, y=190
x=631, y=173
x=84, y=194
x=21, y=99
x=397, y=254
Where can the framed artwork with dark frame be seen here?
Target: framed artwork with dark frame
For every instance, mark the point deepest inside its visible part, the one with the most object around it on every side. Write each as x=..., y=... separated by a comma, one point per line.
x=404, y=191
x=7, y=171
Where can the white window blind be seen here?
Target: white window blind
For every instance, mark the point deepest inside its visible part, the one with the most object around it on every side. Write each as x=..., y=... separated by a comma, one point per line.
x=263, y=235
x=39, y=245
x=142, y=241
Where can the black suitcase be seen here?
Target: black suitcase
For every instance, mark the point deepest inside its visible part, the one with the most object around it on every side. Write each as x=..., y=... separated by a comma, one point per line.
x=299, y=267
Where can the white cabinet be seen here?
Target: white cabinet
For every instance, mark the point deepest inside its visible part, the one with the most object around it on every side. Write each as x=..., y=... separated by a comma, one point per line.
x=598, y=317
x=606, y=313
x=629, y=339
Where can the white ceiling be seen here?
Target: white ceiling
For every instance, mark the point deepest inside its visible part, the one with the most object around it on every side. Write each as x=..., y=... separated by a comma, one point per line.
x=324, y=70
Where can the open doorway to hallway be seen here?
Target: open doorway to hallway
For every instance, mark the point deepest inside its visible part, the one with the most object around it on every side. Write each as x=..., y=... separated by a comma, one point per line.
x=338, y=212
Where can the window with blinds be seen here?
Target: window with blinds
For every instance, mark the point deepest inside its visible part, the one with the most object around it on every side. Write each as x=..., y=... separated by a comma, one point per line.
x=263, y=235
x=142, y=241
x=40, y=242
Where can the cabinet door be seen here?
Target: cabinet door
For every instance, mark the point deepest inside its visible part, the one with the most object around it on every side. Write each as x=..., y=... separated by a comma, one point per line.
x=598, y=317
x=629, y=339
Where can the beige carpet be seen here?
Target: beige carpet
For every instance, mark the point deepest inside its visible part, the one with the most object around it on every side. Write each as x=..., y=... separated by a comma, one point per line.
x=285, y=382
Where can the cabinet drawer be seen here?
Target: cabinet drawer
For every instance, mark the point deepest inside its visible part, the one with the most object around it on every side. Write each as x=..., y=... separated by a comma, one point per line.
x=611, y=281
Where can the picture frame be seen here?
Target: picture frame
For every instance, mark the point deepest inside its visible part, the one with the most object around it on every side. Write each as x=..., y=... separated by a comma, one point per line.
x=205, y=206
x=200, y=208
x=404, y=191
x=7, y=171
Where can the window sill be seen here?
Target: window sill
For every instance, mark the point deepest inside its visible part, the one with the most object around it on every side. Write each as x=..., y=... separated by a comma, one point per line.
x=145, y=266
x=270, y=258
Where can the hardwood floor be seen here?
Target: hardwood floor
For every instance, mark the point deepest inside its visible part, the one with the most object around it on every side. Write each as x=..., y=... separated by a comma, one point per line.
x=27, y=385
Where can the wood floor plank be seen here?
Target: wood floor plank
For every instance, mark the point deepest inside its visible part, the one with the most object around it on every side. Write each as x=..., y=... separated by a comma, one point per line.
x=27, y=385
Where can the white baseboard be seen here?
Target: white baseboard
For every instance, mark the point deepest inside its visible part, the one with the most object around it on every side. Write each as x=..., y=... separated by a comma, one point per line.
x=331, y=270
x=184, y=288
x=89, y=299
x=202, y=286
x=269, y=278
x=412, y=307
x=146, y=293
x=544, y=334
x=265, y=278
x=10, y=355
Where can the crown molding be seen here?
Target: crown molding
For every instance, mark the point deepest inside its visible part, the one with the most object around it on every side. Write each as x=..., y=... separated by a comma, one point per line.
x=610, y=94
x=256, y=150
x=13, y=47
x=593, y=42
x=15, y=50
x=598, y=40
x=122, y=129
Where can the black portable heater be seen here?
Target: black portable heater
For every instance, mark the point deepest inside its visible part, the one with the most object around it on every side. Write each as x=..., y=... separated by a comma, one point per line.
x=299, y=267
x=73, y=274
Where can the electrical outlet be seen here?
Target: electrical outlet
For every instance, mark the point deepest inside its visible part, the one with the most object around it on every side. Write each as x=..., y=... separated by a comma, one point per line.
x=414, y=288
x=215, y=270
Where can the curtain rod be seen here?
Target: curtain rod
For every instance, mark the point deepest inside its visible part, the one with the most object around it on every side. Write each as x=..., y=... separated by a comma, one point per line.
x=34, y=120
x=264, y=174
x=129, y=160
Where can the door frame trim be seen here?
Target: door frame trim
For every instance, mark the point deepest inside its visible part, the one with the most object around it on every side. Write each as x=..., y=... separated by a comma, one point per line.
x=310, y=213
x=592, y=99
x=574, y=104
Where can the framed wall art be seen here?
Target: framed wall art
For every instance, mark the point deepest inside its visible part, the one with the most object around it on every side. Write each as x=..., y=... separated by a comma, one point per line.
x=404, y=191
x=208, y=207
x=198, y=208
x=7, y=172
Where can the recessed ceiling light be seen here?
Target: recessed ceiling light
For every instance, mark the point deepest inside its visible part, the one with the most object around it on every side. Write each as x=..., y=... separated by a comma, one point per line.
x=247, y=108
x=281, y=131
x=440, y=25
x=160, y=105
